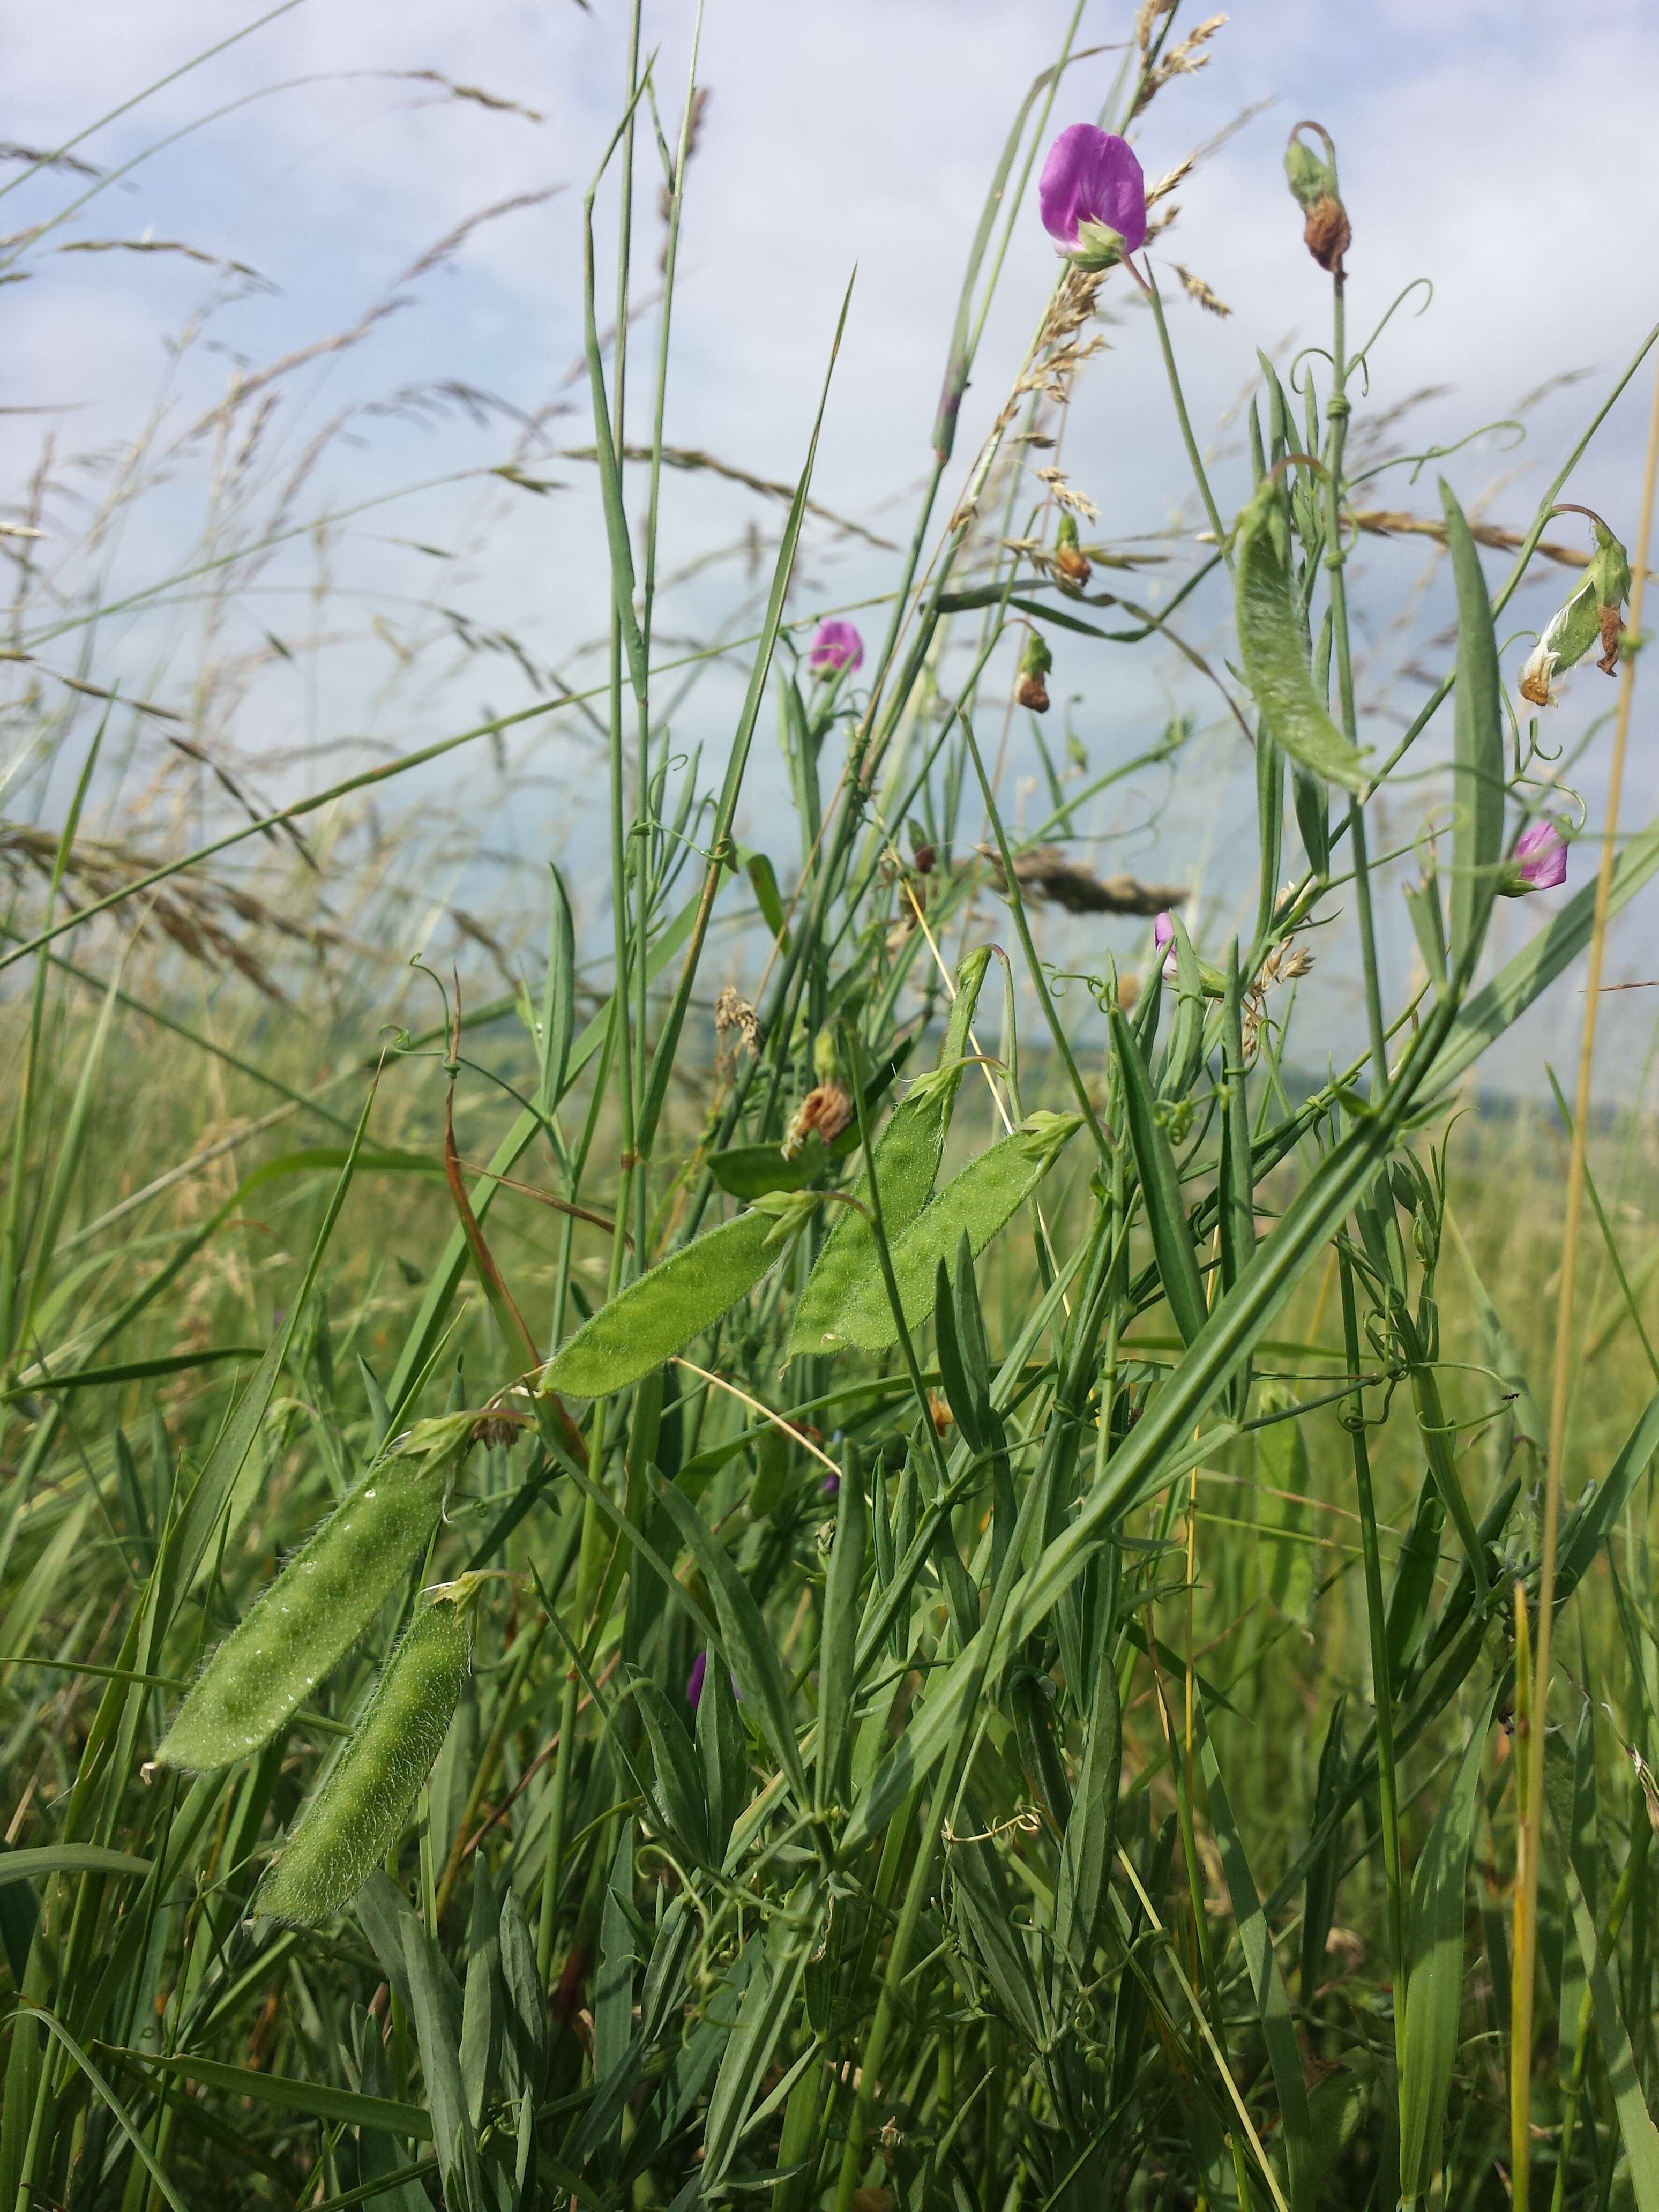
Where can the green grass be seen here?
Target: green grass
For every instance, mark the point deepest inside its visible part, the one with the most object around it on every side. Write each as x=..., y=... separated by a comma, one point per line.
x=1102, y=1787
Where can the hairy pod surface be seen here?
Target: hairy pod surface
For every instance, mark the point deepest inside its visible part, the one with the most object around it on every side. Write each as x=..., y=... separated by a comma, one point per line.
x=1275, y=651
x=359, y=1813
x=906, y=1162
x=976, y=1204
x=680, y=1298
x=325, y=1598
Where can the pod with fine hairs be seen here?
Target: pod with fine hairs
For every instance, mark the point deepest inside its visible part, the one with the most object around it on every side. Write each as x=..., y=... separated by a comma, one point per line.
x=326, y=1597
x=367, y=1797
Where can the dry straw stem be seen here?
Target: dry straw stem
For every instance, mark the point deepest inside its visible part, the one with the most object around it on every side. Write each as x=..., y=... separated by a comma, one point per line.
x=1529, y=1839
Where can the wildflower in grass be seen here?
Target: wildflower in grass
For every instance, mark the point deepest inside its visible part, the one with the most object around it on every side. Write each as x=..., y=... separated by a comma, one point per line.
x=1031, y=690
x=836, y=649
x=694, y=1680
x=830, y=1486
x=1093, y=197
x=1164, y=942
x=1592, y=616
x=1539, y=862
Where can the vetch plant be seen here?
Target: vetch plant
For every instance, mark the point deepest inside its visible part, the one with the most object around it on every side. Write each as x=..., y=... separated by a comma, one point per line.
x=870, y=1563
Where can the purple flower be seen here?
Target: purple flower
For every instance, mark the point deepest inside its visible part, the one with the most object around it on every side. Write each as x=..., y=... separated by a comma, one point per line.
x=1164, y=941
x=1539, y=861
x=1093, y=197
x=830, y=1486
x=836, y=647
x=694, y=1680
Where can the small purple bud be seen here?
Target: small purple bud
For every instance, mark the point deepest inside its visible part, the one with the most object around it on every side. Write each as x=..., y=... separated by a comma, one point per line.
x=694, y=1680
x=1164, y=941
x=1093, y=197
x=830, y=1486
x=836, y=648
x=1540, y=862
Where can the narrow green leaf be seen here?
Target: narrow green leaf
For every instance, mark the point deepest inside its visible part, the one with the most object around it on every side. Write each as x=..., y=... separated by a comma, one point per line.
x=1166, y=1217
x=1476, y=748
x=1428, y=2031
x=35, y=1861
x=343, y=2106
x=750, y=1649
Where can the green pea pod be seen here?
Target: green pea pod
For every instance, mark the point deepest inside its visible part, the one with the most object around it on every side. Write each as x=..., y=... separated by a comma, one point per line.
x=1275, y=651
x=906, y=1160
x=680, y=1298
x=325, y=1598
x=976, y=1204
x=359, y=1813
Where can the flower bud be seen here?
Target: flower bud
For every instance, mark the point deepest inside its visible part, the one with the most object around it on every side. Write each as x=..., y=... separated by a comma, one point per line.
x=1069, y=556
x=1034, y=665
x=1312, y=179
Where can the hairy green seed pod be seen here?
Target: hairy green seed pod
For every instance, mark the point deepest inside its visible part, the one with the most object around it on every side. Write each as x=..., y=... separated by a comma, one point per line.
x=680, y=1298
x=325, y=1598
x=359, y=1813
x=906, y=1161
x=1274, y=648
x=976, y=1204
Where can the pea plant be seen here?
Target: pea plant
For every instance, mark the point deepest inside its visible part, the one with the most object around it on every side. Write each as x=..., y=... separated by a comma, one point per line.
x=995, y=1621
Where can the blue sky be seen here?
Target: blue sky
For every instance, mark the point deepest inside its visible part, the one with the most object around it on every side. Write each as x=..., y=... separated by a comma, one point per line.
x=1504, y=152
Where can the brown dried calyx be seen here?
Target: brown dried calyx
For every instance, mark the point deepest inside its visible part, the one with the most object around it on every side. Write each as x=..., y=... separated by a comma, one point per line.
x=1033, y=692
x=1044, y=873
x=1327, y=233
x=823, y=1114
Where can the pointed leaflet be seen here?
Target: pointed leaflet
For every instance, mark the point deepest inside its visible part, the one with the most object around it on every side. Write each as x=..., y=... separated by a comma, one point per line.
x=1478, y=750
x=1273, y=2005
x=1166, y=1216
x=1641, y=2139
x=1434, y=1974
x=1274, y=649
x=906, y=1163
x=750, y=1650
x=838, y=1648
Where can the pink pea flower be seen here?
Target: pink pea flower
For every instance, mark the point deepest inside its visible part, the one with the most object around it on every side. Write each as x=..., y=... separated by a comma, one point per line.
x=836, y=647
x=1164, y=942
x=1093, y=197
x=694, y=1680
x=1539, y=861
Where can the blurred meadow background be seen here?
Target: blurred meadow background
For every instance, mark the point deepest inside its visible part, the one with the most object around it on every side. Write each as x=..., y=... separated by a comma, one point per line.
x=1140, y=1690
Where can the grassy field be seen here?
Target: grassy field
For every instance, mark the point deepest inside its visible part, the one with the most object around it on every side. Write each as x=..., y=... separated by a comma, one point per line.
x=759, y=1545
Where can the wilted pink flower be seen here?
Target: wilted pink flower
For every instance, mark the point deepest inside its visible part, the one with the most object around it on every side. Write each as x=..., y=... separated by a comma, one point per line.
x=1093, y=197
x=694, y=1680
x=837, y=645
x=1164, y=941
x=1539, y=861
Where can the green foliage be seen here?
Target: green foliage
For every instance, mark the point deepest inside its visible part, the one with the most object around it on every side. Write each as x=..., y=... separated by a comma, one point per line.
x=985, y=1696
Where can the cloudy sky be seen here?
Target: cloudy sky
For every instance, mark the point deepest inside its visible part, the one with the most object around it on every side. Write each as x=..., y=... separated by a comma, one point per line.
x=1504, y=151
